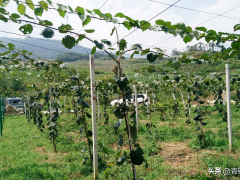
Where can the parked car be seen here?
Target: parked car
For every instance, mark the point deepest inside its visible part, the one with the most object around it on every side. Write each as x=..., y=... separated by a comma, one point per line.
x=15, y=102
x=141, y=98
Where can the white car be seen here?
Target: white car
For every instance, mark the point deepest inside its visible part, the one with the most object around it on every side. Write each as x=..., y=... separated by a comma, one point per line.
x=141, y=98
x=15, y=102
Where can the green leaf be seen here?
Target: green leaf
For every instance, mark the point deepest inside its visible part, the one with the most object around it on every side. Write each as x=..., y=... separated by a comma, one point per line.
x=137, y=156
x=62, y=10
x=14, y=17
x=69, y=42
x=122, y=159
x=81, y=13
x=121, y=15
x=64, y=28
x=122, y=44
x=94, y=50
x=132, y=55
x=160, y=22
x=26, y=29
x=133, y=131
x=29, y=17
x=80, y=38
x=86, y=21
x=70, y=8
x=144, y=25
x=127, y=25
x=3, y=11
x=201, y=29
x=49, y=2
x=145, y=51
x=90, y=12
x=112, y=31
x=44, y=5
x=187, y=39
x=122, y=83
x=233, y=53
x=15, y=61
x=89, y=30
x=117, y=125
x=38, y=11
x=98, y=12
x=47, y=33
x=236, y=45
x=99, y=45
x=154, y=28
x=189, y=29
x=105, y=41
x=136, y=47
x=152, y=57
x=30, y=4
x=4, y=3
x=236, y=27
x=3, y=18
x=46, y=23
x=21, y=9
x=11, y=46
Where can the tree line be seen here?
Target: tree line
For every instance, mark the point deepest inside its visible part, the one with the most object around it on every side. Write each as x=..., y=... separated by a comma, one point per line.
x=74, y=56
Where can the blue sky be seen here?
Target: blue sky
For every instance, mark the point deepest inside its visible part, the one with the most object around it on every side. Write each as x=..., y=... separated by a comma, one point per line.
x=142, y=10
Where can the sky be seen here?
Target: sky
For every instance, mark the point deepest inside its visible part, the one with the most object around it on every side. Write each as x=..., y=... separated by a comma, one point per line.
x=141, y=10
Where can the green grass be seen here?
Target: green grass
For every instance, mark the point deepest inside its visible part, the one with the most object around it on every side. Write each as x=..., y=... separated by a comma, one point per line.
x=26, y=153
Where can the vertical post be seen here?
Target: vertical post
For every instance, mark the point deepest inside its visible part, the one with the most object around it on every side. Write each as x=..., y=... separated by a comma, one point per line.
x=174, y=96
x=59, y=106
x=224, y=97
x=50, y=97
x=77, y=108
x=229, y=106
x=94, y=123
x=29, y=110
x=147, y=102
x=153, y=102
x=182, y=98
x=65, y=104
x=99, y=115
x=117, y=101
x=136, y=106
x=24, y=105
x=1, y=121
x=3, y=106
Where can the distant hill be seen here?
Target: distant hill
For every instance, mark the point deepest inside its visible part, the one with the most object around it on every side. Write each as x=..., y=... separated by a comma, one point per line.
x=50, y=49
x=44, y=48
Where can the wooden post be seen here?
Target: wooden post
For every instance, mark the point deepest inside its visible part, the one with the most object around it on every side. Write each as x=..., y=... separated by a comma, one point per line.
x=229, y=107
x=99, y=115
x=94, y=123
x=136, y=106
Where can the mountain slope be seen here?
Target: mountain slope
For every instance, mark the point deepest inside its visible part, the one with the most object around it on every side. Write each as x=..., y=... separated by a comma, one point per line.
x=43, y=48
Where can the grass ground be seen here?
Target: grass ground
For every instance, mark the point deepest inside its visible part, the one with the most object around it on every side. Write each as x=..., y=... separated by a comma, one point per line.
x=171, y=149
